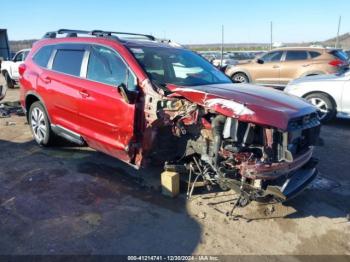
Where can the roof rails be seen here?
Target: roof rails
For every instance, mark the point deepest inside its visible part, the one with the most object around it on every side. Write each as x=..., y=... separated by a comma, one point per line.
x=97, y=33
x=111, y=33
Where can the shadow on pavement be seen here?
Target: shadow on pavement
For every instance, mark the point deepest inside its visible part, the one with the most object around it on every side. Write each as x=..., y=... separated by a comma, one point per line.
x=76, y=201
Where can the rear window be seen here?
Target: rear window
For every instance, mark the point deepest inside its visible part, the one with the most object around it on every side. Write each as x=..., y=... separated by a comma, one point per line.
x=41, y=58
x=296, y=55
x=314, y=54
x=68, y=61
x=340, y=55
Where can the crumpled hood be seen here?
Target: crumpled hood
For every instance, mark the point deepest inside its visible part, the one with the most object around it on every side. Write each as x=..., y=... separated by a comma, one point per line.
x=251, y=103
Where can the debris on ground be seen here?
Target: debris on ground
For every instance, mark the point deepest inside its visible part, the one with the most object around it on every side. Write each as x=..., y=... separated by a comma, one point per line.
x=11, y=108
x=202, y=215
x=9, y=123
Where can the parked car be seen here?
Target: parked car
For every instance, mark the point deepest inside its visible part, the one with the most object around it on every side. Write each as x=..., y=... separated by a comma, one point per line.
x=134, y=100
x=239, y=56
x=9, y=69
x=227, y=60
x=329, y=93
x=280, y=66
x=209, y=57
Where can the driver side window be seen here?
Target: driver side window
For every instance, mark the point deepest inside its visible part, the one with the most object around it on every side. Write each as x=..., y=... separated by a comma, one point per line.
x=272, y=57
x=105, y=66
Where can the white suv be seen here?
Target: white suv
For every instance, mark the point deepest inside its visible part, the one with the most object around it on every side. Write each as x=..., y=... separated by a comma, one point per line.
x=9, y=69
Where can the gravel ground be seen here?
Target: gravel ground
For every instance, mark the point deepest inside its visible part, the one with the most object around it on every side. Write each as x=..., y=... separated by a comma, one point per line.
x=73, y=200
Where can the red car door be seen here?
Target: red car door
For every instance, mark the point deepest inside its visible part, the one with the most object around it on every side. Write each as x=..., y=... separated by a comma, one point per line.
x=106, y=118
x=63, y=84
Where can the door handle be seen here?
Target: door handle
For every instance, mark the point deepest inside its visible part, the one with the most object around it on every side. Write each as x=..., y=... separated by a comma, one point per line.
x=84, y=93
x=276, y=66
x=46, y=79
x=306, y=65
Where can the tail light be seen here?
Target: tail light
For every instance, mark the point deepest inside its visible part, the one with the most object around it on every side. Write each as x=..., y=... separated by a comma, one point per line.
x=337, y=63
x=21, y=69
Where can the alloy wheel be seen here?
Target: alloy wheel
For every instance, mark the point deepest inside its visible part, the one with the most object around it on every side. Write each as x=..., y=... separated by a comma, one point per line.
x=321, y=105
x=240, y=79
x=38, y=124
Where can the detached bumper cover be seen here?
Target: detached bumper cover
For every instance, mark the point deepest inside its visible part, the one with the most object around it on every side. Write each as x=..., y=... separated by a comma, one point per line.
x=298, y=182
x=294, y=184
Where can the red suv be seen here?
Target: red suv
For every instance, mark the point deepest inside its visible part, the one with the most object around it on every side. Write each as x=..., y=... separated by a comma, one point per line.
x=144, y=101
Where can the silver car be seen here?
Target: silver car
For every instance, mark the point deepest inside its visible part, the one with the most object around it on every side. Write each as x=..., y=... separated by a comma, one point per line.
x=329, y=93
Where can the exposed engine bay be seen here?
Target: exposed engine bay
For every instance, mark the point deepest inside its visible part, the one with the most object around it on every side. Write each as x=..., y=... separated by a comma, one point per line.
x=256, y=161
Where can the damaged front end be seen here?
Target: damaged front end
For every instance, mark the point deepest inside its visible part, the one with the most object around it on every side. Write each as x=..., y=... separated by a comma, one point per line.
x=216, y=142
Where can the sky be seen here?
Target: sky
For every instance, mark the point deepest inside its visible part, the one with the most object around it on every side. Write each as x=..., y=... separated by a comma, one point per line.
x=183, y=21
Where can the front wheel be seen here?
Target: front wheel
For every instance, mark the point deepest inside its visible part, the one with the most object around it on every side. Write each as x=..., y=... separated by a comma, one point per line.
x=325, y=105
x=40, y=124
x=240, y=78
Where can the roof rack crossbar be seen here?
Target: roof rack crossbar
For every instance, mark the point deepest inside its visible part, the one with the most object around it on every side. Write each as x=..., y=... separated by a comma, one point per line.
x=150, y=37
x=69, y=31
x=110, y=33
x=97, y=33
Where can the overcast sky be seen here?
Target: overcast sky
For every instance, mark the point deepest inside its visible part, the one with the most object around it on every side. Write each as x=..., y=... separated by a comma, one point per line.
x=184, y=21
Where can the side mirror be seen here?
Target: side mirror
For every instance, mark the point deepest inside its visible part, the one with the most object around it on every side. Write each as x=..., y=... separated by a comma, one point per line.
x=129, y=96
x=260, y=61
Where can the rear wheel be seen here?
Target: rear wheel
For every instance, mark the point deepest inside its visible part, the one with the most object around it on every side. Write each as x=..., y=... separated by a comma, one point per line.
x=325, y=105
x=240, y=78
x=40, y=124
x=9, y=82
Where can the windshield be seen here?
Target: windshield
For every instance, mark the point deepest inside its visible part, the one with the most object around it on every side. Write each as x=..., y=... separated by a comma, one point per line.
x=177, y=66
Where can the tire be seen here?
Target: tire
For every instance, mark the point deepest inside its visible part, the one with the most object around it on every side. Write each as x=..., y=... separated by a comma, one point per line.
x=240, y=78
x=9, y=82
x=326, y=106
x=40, y=125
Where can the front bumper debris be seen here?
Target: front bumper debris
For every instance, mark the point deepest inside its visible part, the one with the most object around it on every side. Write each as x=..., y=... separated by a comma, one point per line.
x=295, y=183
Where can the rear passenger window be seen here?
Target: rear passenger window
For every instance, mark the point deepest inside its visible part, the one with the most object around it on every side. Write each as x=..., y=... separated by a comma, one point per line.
x=41, y=58
x=314, y=54
x=296, y=55
x=105, y=66
x=68, y=61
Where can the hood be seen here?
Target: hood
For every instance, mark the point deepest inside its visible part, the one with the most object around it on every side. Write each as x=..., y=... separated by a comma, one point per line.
x=250, y=103
x=317, y=78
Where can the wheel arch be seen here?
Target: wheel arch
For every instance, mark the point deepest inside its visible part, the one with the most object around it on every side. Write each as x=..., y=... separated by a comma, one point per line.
x=323, y=93
x=31, y=98
x=240, y=71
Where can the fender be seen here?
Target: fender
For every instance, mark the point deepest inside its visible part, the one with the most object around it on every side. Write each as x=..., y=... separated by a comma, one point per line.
x=6, y=67
x=32, y=93
x=234, y=69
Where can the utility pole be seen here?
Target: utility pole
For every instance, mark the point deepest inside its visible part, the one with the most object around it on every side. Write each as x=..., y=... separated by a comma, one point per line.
x=337, y=41
x=271, y=39
x=222, y=45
